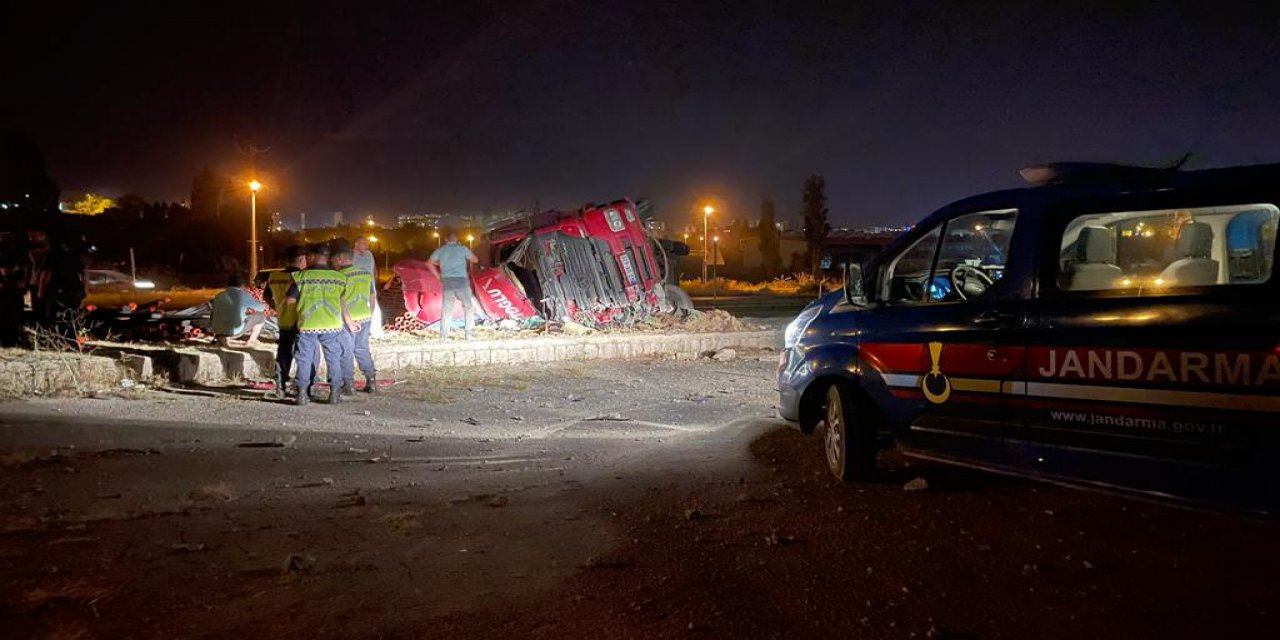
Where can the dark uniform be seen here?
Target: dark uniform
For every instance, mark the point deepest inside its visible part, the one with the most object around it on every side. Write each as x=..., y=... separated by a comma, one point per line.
x=276, y=294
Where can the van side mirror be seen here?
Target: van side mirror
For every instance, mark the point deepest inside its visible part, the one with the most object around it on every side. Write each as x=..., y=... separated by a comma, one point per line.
x=853, y=291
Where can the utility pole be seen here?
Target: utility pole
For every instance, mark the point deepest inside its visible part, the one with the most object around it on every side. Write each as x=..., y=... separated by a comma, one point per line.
x=252, y=150
x=706, y=238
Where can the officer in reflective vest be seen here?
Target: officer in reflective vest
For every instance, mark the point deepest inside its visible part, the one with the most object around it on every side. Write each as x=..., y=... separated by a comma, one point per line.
x=275, y=295
x=317, y=291
x=358, y=300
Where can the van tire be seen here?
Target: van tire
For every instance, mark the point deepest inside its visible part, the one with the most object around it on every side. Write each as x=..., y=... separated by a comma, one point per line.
x=849, y=436
x=680, y=301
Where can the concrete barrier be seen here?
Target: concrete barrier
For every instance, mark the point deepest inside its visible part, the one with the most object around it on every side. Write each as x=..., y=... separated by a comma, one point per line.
x=24, y=374
x=433, y=353
x=213, y=365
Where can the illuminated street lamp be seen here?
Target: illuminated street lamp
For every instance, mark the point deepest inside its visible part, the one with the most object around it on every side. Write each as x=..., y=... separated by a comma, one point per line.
x=470, y=239
x=436, y=235
x=254, y=185
x=706, y=217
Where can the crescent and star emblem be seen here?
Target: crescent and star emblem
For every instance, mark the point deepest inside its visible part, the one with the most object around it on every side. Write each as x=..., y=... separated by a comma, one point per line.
x=935, y=384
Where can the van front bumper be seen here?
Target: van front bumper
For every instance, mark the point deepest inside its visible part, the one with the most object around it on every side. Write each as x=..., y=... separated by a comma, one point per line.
x=790, y=385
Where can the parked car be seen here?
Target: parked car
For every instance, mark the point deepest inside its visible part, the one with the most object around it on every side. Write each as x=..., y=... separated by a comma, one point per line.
x=1110, y=326
x=111, y=281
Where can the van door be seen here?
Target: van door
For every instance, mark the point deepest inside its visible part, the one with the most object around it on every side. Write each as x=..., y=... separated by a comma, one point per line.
x=1152, y=355
x=947, y=332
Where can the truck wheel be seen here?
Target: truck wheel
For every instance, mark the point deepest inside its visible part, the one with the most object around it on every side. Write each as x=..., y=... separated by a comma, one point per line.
x=680, y=301
x=850, y=434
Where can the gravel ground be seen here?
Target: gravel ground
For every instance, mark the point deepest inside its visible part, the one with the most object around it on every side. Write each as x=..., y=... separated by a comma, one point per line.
x=605, y=500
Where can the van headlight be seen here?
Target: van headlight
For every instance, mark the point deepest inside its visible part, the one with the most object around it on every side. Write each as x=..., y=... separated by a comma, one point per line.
x=798, y=326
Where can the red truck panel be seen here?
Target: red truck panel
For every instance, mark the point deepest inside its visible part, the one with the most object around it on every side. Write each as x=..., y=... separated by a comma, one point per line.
x=500, y=297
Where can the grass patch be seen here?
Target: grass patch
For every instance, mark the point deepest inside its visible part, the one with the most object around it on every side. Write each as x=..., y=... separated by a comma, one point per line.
x=793, y=284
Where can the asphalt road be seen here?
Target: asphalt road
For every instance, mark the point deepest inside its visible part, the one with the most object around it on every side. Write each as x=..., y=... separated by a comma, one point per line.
x=605, y=500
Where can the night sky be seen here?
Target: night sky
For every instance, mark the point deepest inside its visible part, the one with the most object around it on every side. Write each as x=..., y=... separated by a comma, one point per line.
x=463, y=106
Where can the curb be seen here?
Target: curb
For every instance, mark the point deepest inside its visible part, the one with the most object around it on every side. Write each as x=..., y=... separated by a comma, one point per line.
x=212, y=365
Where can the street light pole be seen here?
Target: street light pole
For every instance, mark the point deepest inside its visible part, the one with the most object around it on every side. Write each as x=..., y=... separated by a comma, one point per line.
x=254, y=185
x=715, y=255
x=706, y=216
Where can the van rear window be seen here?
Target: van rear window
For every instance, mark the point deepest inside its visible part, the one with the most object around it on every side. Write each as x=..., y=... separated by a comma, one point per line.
x=1138, y=253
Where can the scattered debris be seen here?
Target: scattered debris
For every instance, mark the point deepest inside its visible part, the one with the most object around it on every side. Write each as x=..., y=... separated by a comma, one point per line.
x=299, y=563
x=220, y=492
x=574, y=329
x=774, y=539
x=471, y=421
x=600, y=563
x=123, y=453
x=186, y=547
x=609, y=417
x=499, y=501
x=692, y=514
x=725, y=355
x=918, y=484
x=353, y=500
x=260, y=445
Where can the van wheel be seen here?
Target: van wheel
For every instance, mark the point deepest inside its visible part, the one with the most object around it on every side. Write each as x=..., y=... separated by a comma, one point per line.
x=850, y=434
x=679, y=300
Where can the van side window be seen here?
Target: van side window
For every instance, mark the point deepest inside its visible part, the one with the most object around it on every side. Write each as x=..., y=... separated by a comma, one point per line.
x=1139, y=253
x=959, y=260
x=904, y=281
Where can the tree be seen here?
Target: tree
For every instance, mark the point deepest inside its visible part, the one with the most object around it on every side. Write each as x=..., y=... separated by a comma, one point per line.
x=734, y=242
x=814, y=212
x=132, y=204
x=91, y=204
x=28, y=196
x=769, y=242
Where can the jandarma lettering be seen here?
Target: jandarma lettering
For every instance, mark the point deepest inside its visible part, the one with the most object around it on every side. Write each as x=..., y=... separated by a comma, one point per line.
x=1191, y=367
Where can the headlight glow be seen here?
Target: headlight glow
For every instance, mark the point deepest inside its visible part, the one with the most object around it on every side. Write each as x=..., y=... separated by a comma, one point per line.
x=792, y=334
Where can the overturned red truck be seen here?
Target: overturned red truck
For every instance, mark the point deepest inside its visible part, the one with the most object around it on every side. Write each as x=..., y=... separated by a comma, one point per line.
x=596, y=265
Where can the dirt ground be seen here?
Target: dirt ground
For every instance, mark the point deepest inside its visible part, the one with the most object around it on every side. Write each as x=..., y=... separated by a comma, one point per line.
x=606, y=500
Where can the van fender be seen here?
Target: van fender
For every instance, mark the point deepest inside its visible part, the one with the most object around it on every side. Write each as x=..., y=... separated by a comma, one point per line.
x=827, y=364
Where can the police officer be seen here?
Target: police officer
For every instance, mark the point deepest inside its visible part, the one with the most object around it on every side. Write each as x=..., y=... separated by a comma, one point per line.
x=317, y=292
x=359, y=306
x=277, y=290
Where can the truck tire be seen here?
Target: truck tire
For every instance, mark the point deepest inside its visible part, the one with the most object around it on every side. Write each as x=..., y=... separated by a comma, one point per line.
x=849, y=437
x=680, y=301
